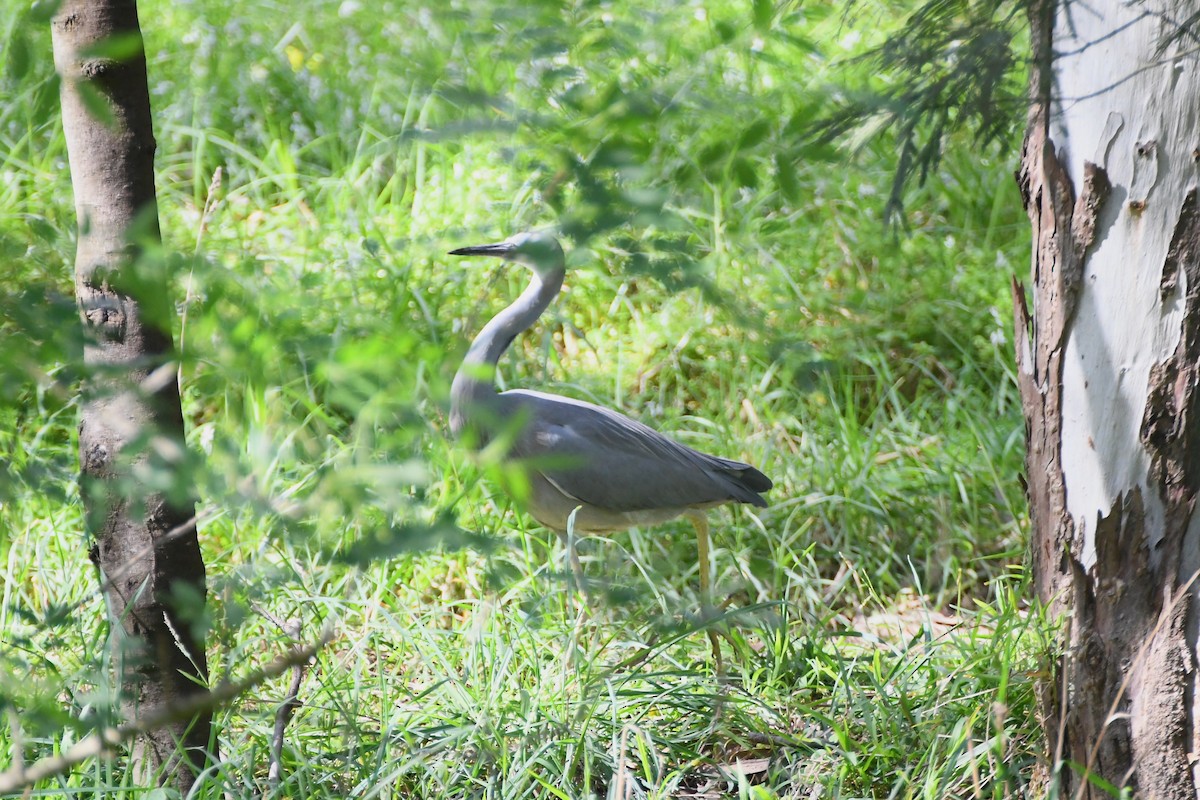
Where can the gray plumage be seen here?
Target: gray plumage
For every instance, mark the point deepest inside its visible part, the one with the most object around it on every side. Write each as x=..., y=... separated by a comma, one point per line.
x=618, y=472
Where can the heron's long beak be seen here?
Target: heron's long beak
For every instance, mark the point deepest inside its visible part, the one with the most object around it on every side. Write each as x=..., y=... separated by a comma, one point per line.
x=499, y=250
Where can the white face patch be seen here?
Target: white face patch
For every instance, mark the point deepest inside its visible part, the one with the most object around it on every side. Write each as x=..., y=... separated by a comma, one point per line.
x=539, y=251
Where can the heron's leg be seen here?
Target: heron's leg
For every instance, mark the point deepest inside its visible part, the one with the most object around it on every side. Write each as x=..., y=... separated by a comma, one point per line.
x=576, y=567
x=700, y=521
x=569, y=537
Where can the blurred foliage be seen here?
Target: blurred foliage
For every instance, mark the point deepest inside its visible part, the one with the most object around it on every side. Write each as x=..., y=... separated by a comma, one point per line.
x=953, y=66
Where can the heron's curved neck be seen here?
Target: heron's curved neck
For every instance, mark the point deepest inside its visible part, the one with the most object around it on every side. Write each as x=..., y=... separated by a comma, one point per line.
x=475, y=380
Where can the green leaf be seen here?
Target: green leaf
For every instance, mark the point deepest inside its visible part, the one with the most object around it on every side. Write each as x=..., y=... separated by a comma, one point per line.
x=120, y=47
x=41, y=227
x=754, y=135
x=163, y=793
x=745, y=173
x=764, y=13
x=785, y=178
x=42, y=11
x=712, y=155
x=97, y=104
x=18, y=55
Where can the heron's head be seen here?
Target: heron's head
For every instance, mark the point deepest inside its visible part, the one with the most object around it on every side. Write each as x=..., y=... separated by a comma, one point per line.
x=539, y=251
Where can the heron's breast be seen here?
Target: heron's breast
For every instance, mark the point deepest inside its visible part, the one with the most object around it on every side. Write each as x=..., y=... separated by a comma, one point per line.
x=550, y=506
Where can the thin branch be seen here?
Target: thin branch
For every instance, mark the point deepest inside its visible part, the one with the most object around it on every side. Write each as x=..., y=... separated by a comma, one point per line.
x=290, y=703
x=108, y=740
x=282, y=717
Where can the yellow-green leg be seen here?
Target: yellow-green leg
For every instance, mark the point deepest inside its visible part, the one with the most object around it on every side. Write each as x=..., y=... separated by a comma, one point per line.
x=700, y=522
x=576, y=568
x=568, y=539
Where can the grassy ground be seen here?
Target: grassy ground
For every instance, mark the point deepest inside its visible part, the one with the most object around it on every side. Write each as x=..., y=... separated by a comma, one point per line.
x=731, y=285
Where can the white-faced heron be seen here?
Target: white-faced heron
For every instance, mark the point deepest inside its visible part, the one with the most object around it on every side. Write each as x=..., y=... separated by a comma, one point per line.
x=611, y=471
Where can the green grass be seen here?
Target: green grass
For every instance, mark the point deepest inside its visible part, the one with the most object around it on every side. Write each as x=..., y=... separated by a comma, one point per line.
x=731, y=285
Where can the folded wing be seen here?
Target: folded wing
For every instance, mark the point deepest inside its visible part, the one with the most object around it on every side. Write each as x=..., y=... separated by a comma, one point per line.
x=610, y=461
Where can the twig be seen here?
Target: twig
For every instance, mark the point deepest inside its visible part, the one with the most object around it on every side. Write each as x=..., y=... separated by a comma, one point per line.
x=775, y=740
x=18, y=738
x=284, y=715
x=637, y=658
x=107, y=740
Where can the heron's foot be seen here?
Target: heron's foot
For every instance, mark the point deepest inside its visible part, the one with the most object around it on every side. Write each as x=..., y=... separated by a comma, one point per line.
x=716, y=629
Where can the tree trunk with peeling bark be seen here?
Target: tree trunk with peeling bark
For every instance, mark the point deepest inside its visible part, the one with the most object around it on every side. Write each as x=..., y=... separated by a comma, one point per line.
x=131, y=425
x=1108, y=349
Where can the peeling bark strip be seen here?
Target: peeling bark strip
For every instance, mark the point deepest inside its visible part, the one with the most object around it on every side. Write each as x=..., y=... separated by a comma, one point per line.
x=1063, y=229
x=131, y=407
x=1041, y=399
x=1169, y=426
x=1171, y=433
x=1096, y=188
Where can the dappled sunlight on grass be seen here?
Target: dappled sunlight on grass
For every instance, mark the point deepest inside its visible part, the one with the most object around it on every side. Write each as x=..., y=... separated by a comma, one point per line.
x=730, y=285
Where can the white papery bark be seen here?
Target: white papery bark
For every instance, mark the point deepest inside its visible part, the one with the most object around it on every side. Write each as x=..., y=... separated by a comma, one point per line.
x=1131, y=110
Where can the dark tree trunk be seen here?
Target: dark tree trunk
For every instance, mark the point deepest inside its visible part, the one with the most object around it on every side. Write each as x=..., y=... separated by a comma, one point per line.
x=1108, y=349
x=131, y=426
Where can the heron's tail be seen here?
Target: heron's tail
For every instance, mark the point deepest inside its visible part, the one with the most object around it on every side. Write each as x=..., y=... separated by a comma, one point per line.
x=745, y=481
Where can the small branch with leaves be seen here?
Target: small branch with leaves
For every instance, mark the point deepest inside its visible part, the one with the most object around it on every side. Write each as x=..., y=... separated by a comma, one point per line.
x=290, y=703
x=108, y=740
